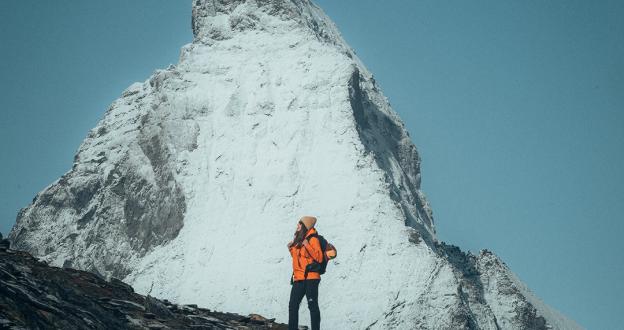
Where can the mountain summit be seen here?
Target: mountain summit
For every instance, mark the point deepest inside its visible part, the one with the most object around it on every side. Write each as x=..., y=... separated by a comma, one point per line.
x=193, y=181
x=218, y=20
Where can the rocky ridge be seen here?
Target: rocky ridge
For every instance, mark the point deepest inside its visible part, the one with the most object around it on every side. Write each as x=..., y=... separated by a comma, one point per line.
x=34, y=295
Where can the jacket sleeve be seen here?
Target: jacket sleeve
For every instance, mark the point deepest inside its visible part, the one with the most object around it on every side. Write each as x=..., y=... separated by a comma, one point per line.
x=291, y=250
x=314, y=249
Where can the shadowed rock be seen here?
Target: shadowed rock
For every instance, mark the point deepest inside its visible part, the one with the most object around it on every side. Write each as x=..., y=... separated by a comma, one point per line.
x=34, y=295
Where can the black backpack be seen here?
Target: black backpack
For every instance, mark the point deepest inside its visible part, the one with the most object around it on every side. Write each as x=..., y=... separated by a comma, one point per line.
x=315, y=266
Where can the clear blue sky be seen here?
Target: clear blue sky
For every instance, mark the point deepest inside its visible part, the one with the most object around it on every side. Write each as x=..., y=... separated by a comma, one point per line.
x=517, y=108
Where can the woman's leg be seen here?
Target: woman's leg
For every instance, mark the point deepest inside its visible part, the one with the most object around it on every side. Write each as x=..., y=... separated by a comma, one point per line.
x=296, y=294
x=311, y=291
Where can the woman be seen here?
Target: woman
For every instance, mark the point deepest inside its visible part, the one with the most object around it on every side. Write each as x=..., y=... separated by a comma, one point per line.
x=304, y=251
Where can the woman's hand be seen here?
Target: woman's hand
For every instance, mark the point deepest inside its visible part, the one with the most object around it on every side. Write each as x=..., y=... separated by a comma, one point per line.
x=289, y=244
x=305, y=242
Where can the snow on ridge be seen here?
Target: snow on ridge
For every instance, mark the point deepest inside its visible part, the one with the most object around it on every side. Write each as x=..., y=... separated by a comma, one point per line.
x=219, y=20
x=502, y=285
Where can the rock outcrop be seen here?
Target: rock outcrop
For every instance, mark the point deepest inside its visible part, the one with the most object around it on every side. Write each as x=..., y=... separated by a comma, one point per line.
x=34, y=295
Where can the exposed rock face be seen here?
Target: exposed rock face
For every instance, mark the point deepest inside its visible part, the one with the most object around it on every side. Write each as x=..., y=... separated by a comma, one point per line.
x=36, y=296
x=121, y=193
x=192, y=183
x=384, y=137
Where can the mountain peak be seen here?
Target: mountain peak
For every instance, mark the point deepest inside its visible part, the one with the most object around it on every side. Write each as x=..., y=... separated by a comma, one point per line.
x=220, y=19
x=268, y=115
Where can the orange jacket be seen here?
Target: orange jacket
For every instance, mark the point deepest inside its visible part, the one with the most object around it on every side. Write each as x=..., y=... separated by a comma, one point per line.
x=305, y=255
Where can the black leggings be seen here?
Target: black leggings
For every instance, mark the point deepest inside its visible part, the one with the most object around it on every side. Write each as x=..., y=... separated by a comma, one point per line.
x=309, y=288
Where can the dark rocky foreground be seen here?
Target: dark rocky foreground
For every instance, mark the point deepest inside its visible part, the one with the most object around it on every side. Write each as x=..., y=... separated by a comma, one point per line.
x=34, y=295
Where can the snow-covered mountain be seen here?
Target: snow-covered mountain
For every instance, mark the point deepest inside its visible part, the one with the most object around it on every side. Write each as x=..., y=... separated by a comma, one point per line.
x=194, y=179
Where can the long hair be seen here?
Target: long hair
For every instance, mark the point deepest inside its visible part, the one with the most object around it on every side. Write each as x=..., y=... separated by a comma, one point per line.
x=300, y=235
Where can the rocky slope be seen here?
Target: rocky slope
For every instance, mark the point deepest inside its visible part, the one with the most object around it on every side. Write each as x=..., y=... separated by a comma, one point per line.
x=34, y=295
x=192, y=183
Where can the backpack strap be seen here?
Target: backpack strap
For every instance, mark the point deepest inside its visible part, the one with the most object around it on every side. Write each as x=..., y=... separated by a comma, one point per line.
x=305, y=274
x=308, y=238
x=312, y=235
